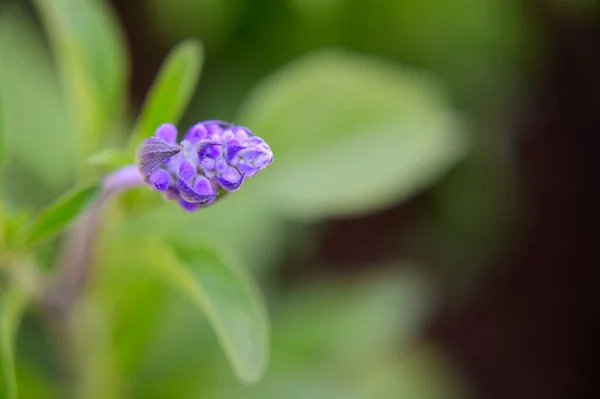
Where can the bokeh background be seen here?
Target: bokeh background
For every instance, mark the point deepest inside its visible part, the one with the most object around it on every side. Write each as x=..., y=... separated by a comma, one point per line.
x=426, y=230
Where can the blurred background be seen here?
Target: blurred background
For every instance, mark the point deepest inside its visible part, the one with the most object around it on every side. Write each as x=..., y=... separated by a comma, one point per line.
x=426, y=230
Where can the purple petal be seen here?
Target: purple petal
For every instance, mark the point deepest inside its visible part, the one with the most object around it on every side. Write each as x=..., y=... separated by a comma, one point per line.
x=255, y=141
x=209, y=165
x=152, y=152
x=203, y=186
x=247, y=170
x=232, y=148
x=229, y=178
x=160, y=179
x=208, y=149
x=261, y=161
x=252, y=161
x=167, y=132
x=251, y=155
x=187, y=170
x=240, y=132
x=191, y=195
x=188, y=206
x=215, y=127
x=196, y=133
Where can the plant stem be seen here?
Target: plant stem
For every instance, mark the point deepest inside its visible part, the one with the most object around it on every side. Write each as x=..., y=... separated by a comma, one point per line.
x=75, y=267
x=77, y=251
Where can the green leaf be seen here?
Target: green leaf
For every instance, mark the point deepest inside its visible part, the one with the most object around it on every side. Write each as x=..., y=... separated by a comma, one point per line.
x=59, y=215
x=342, y=326
x=40, y=146
x=326, y=323
x=351, y=134
x=171, y=91
x=110, y=158
x=89, y=48
x=12, y=305
x=217, y=286
x=242, y=223
x=2, y=141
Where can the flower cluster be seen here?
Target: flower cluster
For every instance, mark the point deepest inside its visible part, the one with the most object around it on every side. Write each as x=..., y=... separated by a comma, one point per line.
x=212, y=155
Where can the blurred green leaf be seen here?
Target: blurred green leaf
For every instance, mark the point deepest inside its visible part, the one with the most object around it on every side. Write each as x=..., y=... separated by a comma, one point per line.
x=212, y=20
x=476, y=47
x=351, y=134
x=34, y=383
x=476, y=214
x=232, y=303
x=98, y=376
x=39, y=141
x=332, y=337
x=12, y=305
x=326, y=323
x=423, y=371
x=110, y=158
x=242, y=223
x=59, y=215
x=12, y=225
x=132, y=301
x=90, y=52
x=171, y=91
x=2, y=141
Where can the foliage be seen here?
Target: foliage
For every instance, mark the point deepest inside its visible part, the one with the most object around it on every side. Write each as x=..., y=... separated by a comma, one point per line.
x=354, y=132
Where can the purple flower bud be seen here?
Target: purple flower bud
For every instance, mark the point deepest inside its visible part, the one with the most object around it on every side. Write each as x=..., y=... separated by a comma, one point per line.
x=200, y=193
x=232, y=155
x=210, y=167
x=232, y=148
x=187, y=170
x=241, y=133
x=209, y=149
x=206, y=130
x=250, y=161
x=160, y=179
x=167, y=132
x=229, y=177
x=196, y=133
x=213, y=154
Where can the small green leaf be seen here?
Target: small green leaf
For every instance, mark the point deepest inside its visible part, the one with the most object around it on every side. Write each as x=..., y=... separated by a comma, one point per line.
x=230, y=300
x=171, y=91
x=58, y=215
x=89, y=48
x=351, y=134
x=12, y=305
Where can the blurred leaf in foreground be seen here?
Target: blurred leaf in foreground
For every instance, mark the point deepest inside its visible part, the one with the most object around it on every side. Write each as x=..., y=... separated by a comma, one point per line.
x=242, y=223
x=2, y=140
x=40, y=143
x=219, y=288
x=326, y=322
x=12, y=304
x=331, y=338
x=351, y=134
x=90, y=51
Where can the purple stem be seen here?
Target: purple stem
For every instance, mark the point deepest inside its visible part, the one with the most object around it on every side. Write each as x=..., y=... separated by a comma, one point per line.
x=78, y=249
